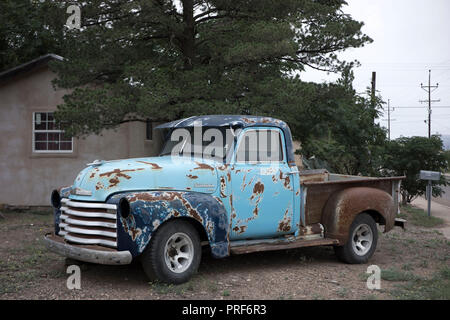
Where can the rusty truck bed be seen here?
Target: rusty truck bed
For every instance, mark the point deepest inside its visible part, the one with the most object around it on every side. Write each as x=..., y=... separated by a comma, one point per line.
x=319, y=185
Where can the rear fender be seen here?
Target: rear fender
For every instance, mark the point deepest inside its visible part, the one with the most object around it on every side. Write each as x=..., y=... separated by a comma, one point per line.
x=343, y=206
x=151, y=209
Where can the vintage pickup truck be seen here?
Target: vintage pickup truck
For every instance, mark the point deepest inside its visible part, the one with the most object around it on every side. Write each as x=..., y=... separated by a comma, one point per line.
x=246, y=196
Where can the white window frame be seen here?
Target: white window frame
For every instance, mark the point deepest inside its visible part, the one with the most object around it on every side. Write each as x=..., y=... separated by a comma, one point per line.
x=46, y=131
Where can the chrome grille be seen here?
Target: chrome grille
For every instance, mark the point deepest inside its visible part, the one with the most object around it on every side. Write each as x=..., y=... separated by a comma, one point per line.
x=88, y=223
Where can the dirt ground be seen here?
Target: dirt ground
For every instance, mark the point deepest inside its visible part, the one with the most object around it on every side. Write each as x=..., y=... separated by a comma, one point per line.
x=415, y=265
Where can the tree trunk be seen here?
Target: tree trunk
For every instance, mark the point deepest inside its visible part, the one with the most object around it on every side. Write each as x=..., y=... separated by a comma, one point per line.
x=188, y=37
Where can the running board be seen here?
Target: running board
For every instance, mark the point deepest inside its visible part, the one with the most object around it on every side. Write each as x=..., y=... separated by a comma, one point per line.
x=282, y=245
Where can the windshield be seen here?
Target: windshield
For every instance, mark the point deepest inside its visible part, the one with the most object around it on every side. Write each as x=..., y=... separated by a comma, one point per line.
x=199, y=142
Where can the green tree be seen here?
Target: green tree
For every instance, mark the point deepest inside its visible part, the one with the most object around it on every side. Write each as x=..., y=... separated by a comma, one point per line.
x=407, y=156
x=340, y=132
x=164, y=59
x=29, y=29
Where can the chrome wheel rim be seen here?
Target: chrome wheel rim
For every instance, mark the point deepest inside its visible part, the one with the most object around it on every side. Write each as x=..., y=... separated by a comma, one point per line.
x=362, y=239
x=179, y=252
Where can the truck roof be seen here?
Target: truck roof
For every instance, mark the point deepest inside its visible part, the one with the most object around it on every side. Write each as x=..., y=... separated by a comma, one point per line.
x=241, y=121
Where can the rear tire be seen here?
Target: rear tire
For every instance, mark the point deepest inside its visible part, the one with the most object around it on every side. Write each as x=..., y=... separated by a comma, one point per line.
x=362, y=241
x=173, y=254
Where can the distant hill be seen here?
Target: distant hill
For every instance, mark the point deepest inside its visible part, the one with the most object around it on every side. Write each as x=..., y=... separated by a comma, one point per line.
x=446, y=140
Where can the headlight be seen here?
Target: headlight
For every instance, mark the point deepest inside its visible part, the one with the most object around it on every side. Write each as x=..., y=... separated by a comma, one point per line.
x=124, y=208
x=55, y=199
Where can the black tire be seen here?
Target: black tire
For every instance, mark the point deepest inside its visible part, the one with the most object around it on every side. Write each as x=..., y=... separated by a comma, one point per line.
x=153, y=259
x=352, y=253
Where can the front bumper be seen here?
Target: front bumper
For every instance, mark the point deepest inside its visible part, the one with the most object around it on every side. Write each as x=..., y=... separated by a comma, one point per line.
x=82, y=253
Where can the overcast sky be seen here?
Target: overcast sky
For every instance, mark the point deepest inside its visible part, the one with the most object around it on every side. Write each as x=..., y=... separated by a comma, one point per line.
x=410, y=37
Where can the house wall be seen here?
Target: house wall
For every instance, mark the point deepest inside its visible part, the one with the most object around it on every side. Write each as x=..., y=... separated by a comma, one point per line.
x=27, y=178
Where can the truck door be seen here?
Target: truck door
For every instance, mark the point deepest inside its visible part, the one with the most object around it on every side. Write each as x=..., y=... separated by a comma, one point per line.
x=262, y=187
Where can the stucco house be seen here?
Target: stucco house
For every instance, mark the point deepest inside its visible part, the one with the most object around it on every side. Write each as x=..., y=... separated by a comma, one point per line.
x=35, y=156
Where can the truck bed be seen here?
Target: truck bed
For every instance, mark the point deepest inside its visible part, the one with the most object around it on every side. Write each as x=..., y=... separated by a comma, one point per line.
x=318, y=185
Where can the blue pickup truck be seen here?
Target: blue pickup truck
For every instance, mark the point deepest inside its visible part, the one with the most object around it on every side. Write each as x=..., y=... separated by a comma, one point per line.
x=245, y=194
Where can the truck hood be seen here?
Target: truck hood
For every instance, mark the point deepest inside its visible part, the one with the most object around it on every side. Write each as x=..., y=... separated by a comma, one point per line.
x=156, y=173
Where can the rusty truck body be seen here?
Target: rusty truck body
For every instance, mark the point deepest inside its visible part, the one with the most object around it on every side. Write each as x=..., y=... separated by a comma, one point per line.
x=248, y=196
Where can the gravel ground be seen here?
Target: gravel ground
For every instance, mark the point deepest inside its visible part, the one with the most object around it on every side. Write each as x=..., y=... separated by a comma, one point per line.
x=411, y=260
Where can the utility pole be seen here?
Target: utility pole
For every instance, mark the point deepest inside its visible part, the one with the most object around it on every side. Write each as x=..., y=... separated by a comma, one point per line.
x=429, y=89
x=373, y=92
x=389, y=118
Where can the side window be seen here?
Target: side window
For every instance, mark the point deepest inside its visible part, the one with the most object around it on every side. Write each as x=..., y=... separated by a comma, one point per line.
x=47, y=136
x=262, y=145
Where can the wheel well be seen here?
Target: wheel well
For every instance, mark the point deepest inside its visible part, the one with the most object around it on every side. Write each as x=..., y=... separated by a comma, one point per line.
x=377, y=217
x=197, y=225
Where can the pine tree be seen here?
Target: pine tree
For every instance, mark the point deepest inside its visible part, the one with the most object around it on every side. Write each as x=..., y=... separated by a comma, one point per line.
x=165, y=60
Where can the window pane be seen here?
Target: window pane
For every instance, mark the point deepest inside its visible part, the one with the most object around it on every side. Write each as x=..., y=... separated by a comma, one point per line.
x=40, y=136
x=149, y=130
x=51, y=125
x=66, y=146
x=40, y=146
x=53, y=145
x=53, y=136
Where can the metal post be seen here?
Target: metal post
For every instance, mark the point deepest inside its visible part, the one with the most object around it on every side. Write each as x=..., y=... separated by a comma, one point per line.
x=430, y=193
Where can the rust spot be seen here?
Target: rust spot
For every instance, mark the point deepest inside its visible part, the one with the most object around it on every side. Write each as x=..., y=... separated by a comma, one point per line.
x=229, y=176
x=222, y=187
x=285, y=224
x=93, y=173
x=210, y=227
x=113, y=182
x=286, y=181
x=99, y=186
x=203, y=166
x=255, y=211
x=117, y=173
x=134, y=233
x=190, y=176
x=153, y=165
x=247, y=120
x=258, y=189
x=188, y=188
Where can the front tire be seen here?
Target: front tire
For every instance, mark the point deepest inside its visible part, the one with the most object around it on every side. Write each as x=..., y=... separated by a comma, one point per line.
x=173, y=254
x=362, y=241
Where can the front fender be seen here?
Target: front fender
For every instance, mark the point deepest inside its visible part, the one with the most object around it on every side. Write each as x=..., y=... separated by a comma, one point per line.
x=342, y=208
x=151, y=209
